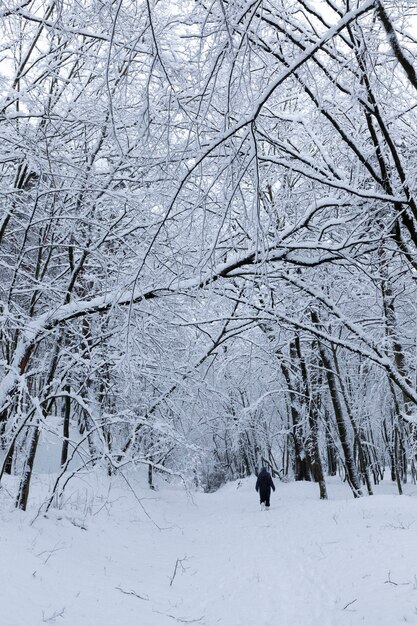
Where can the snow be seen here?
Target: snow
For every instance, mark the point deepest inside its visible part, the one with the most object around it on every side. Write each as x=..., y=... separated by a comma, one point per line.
x=109, y=560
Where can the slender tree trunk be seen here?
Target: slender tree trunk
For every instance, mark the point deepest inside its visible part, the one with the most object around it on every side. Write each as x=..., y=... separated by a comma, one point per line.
x=8, y=462
x=24, y=487
x=313, y=418
x=301, y=470
x=23, y=493
x=65, y=429
x=23, y=363
x=150, y=477
x=356, y=431
x=396, y=461
x=331, y=452
x=396, y=443
x=351, y=473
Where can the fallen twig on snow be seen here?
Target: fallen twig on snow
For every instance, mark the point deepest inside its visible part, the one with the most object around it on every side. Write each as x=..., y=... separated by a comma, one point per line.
x=183, y=620
x=391, y=582
x=349, y=603
x=54, y=615
x=139, y=501
x=133, y=593
x=177, y=563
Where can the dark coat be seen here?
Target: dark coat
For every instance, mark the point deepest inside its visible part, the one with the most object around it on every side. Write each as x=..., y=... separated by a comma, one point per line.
x=264, y=484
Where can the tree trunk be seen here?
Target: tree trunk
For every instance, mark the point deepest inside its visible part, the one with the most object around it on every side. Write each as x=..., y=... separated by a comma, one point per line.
x=351, y=473
x=150, y=476
x=23, y=493
x=356, y=431
x=313, y=417
x=331, y=452
x=301, y=469
x=65, y=429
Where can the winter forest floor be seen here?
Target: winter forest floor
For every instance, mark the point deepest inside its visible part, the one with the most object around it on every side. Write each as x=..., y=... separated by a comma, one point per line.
x=208, y=559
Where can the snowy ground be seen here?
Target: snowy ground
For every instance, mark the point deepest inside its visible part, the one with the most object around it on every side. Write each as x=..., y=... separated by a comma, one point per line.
x=303, y=563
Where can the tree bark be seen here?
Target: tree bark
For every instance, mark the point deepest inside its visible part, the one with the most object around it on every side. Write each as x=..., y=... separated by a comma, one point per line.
x=313, y=418
x=351, y=472
x=23, y=493
x=65, y=429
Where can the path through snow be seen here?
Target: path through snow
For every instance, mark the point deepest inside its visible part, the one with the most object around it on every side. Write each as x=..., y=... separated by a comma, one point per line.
x=303, y=563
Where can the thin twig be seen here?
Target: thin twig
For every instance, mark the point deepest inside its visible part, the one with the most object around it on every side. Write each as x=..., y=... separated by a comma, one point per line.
x=349, y=603
x=133, y=593
x=139, y=501
x=177, y=563
x=183, y=620
x=54, y=615
x=391, y=582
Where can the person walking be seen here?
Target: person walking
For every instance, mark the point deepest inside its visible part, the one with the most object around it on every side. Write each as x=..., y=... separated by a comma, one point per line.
x=264, y=484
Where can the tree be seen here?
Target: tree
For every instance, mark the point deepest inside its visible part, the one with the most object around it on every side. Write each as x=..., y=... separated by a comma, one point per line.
x=181, y=183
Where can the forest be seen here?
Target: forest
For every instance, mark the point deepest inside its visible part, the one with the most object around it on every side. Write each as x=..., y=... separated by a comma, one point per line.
x=208, y=241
